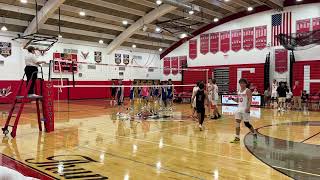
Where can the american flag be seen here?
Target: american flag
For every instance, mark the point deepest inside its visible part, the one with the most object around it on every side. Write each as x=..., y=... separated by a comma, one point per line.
x=281, y=24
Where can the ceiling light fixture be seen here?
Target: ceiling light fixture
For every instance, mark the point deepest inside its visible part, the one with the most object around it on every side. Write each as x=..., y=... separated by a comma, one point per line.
x=191, y=12
x=24, y=1
x=4, y=28
x=158, y=29
x=82, y=13
x=183, y=35
x=215, y=20
x=250, y=8
x=125, y=22
x=134, y=46
x=59, y=36
x=100, y=41
x=159, y=2
x=160, y=49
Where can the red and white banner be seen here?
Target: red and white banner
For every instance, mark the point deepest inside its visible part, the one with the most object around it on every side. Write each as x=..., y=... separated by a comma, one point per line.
x=248, y=38
x=193, y=49
x=204, y=43
x=316, y=23
x=261, y=37
x=303, y=25
x=281, y=60
x=225, y=41
x=236, y=40
x=182, y=62
x=174, y=65
x=166, y=66
x=214, y=42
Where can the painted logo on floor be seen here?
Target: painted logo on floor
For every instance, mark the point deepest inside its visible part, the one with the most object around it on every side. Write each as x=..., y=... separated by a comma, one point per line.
x=67, y=166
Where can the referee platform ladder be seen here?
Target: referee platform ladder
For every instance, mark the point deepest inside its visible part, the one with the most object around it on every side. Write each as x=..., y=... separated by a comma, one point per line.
x=21, y=98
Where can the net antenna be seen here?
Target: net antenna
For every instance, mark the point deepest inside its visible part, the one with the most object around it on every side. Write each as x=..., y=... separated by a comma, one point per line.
x=42, y=42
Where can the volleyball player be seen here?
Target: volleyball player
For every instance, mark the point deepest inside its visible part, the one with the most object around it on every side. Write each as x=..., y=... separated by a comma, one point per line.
x=274, y=93
x=170, y=93
x=120, y=97
x=244, y=100
x=156, y=95
x=201, y=97
x=216, y=114
x=193, y=103
x=113, y=94
x=164, y=94
x=132, y=91
x=210, y=96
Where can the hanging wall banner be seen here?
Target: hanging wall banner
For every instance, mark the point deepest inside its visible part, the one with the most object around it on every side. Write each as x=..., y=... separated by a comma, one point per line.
x=214, y=42
x=236, y=40
x=316, y=23
x=204, y=43
x=248, y=38
x=261, y=37
x=166, y=66
x=303, y=25
x=174, y=65
x=281, y=60
x=225, y=41
x=5, y=49
x=117, y=58
x=126, y=59
x=97, y=57
x=182, y=63
x=193, y=49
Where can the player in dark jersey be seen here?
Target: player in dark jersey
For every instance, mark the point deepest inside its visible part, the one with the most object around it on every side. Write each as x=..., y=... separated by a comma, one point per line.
x=113, y=94
x=201, y=97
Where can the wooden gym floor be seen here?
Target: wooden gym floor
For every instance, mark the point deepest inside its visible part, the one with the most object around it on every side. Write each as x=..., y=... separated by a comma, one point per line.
x=90, y=143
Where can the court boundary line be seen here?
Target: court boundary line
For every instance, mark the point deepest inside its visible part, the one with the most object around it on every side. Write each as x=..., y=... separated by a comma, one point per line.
x=310, y=137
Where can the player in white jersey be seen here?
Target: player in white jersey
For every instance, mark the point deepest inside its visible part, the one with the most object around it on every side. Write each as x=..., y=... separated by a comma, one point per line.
x=244, y=100
x=215, y=96
x=210, y=89
x=193, y=104
x=274, y=93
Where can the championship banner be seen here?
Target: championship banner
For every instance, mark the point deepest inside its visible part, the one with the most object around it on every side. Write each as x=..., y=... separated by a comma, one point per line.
x=174, y=65
x=117, y=58
x=5, y=49
x=236, y=40
x=316, y=23
x=97, y=57
x=225, y=41
x=214, y=42
x=182, y=63
x=248, y=38
x=166, y=66
x=126, y=59
x=204, y=43
x=281, y=60
x=303, y=25
x=193, y=49
x=261, y=37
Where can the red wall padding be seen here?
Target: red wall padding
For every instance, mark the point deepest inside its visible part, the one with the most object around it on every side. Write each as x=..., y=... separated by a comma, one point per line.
x=298, y=74
x=192, y=77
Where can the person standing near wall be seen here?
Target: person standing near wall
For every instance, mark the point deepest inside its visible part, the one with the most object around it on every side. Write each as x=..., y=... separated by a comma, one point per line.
x=31, y=69
x=274, y=93
x=297, y=92
x=216, y=113
x=282, y=92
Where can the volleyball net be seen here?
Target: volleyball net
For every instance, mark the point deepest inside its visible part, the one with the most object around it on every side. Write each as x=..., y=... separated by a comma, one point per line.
x=85, y=80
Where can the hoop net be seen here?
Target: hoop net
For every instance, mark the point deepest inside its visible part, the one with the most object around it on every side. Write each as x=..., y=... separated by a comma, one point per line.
x=300, y=41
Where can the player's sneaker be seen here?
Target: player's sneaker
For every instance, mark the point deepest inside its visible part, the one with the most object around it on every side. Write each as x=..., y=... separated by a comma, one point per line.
x=200, y=127
x=236, y=140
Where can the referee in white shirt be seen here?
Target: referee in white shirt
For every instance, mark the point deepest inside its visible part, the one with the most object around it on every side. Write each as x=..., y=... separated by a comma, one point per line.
x=32, y=63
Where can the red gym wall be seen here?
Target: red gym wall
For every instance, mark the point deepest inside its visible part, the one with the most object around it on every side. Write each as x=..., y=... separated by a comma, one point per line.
x=257, y=78
x=298, y=74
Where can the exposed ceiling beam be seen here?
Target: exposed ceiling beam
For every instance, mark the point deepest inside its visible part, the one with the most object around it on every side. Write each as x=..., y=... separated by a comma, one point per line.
x=174, y=12
x=83, y=21
x=274, y=4
x=148, y=18
x=241, y=3
x=85, y=33
x=222, y=5
x=43, y=15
